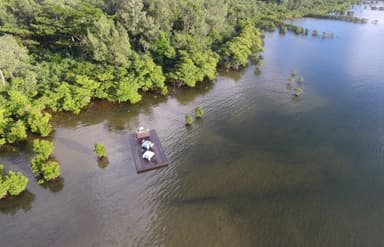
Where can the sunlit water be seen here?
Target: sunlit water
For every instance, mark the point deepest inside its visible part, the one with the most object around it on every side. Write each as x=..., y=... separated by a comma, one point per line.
x=261, y=169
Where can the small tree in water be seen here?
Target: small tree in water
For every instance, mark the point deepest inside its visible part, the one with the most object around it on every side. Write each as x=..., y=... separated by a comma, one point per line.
x=12, y=183
x=43, y=148
x=50, y=170
x=199, y=111
x=100, y=150
x=188, y=119
x=297, y=91
x=41, y=165
x=325, y=35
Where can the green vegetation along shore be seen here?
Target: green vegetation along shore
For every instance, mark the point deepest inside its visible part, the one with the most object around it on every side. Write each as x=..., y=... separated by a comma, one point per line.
x=60, y=55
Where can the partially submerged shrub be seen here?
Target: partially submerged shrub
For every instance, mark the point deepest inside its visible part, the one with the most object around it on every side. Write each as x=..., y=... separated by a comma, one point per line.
x=188, y=119
x=100, y=150
x=297, y=91
x=199, y=112
x=12, y=183
x=41, y=165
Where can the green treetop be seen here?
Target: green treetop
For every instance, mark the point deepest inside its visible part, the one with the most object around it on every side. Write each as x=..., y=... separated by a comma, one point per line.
x=41, y=165
x=50, y=170
x=108, y=42
x=100, y=150
x=13, y=58
x=43, y=148
x=17, y=183
x=12, y=183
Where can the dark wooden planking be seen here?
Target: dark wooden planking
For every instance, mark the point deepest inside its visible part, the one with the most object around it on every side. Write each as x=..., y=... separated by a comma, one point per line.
x=142, y=165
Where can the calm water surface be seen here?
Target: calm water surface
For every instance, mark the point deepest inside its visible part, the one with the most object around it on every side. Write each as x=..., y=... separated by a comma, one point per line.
x=261, y=169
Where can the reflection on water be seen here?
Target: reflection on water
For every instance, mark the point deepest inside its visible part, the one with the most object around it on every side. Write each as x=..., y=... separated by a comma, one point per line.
x=54, y=186
x=12, y=205
x=262, y=168
x=103, y=163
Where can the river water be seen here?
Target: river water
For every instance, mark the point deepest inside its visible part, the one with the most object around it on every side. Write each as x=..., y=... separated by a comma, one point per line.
x=262, y=168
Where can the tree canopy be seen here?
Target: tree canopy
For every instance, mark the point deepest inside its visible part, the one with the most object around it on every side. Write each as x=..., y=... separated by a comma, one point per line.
x=11, y=183
x=42, y=164
x=60, y=55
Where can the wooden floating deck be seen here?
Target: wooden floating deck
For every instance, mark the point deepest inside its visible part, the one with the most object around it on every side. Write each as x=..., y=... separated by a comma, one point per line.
x=142, y=165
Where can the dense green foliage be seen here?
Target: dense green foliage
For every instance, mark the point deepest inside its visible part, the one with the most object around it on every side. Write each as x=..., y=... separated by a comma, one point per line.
x=12, y=183
x=100, y=150
x=18, y=114
x=41, y=165
x=236, y=52
x=60, y=55
x=43, y=148
x=50, y=170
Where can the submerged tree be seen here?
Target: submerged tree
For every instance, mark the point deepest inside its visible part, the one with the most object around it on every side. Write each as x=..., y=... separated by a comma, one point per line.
x=297, y=91
x=188, y=119
x=17, y=183
x=42, y=165
x=100, y=150
x=199, y=112
x=50, y=170
x=291, y=79
x=12, y=183
x=43, y=148
x=324, y=35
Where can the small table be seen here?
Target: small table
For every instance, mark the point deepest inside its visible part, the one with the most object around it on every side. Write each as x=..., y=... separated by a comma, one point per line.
x=148, y=155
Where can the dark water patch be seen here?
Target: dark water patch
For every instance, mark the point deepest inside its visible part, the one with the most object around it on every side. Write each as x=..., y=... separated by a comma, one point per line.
x=54, y=186
x=12, y=205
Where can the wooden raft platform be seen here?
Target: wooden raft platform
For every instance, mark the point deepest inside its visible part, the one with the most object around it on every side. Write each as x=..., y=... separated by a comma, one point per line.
x=142, y=165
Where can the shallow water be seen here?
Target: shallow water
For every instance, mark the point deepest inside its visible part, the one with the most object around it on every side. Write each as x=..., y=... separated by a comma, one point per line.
x=261, y=169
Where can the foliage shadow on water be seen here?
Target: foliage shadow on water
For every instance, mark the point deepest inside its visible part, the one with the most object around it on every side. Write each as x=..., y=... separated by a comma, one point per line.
x=103, y=162
x=12, y=205
x=111, y=113
x=186, y=95
x=54, y=186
